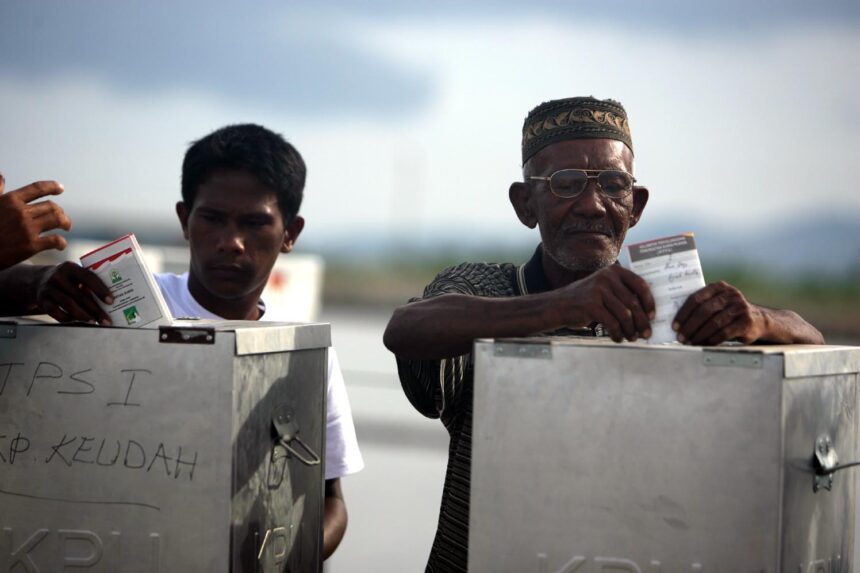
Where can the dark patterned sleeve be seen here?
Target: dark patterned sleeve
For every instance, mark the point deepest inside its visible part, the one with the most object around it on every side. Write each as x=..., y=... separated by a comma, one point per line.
x=434, y=386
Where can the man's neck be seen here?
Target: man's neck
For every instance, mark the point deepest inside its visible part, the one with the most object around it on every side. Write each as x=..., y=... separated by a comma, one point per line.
x=244, y=308
x=556, y=275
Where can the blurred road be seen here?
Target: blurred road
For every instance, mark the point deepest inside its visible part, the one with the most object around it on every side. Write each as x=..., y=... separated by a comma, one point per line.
x=393, y=503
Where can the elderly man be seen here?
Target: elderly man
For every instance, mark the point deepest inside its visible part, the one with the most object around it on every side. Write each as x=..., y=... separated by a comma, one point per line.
x=578, y=189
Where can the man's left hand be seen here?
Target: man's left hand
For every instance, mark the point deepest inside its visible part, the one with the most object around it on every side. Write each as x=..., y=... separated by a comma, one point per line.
x=717, y=313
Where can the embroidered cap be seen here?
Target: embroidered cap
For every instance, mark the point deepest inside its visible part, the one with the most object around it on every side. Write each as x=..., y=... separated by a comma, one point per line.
x=574, y=118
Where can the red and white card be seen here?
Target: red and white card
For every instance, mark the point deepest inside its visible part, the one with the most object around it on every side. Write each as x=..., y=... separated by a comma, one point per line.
x=137, y=298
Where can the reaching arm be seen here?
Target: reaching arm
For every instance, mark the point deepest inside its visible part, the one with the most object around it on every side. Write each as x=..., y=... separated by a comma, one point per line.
x=787, y=327
x=64, y=291
x=334, y=517
x=18, y=285
x=446, y=325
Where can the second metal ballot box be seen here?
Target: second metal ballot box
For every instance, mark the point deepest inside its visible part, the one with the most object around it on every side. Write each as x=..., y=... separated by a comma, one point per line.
x=590, y=456
x=197, y=447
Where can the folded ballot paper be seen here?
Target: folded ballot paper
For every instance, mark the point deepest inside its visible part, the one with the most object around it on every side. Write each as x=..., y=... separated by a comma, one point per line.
x=137, y=300
x=672, y=269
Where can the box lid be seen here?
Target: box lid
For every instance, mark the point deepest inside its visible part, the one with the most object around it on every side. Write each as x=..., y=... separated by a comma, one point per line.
x=799, y=360
x=252, y=337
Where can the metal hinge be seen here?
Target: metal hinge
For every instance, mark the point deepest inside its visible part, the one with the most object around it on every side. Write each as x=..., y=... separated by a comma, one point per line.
x=8, y=329
x=738, y=359
x=522, y=350
x=186, y=335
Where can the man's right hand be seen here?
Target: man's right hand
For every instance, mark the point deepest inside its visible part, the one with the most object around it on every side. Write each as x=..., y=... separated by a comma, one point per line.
x=66, y=293
x=23, y=222
x=617, y=298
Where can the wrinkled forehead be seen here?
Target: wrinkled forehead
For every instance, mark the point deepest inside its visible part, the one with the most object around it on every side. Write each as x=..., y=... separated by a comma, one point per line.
x=580, y=154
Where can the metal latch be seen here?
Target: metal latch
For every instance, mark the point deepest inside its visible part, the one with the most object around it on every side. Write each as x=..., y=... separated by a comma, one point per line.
x=287, y=431
x=8, y=329
x=186, y=335
x=825, y=462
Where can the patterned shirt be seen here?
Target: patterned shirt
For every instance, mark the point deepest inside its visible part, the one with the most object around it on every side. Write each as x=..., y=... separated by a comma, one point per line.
x=443, y=389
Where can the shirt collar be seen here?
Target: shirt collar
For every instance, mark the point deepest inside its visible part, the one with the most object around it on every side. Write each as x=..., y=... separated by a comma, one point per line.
x=203, y=312
x=531, y=278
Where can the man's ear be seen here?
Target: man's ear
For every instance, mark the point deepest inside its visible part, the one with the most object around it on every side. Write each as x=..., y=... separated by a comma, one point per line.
x=291, y=233
x=182, y=211
x=640, y=198
x=521, y=198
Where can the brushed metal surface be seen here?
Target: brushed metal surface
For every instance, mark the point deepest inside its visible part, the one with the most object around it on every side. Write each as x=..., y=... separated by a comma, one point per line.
x=279, y=337
x=121, y=453
x=816, y=361
x=254, y=337
x=273, y=493
x=817, y=526
x=636, y=458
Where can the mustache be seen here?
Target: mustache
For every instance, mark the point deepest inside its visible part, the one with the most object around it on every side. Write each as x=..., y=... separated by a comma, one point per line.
x=584, y=226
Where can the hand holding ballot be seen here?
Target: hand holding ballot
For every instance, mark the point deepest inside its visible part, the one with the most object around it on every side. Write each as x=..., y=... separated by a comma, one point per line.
x=616, y=298
x=113, y=287
x=66, y=293
x=717, y=313
x=692, y=313
x=135, y=299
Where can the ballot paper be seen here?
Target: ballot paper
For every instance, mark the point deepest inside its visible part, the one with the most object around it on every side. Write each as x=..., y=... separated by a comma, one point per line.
x=137, y=298
x=672, y=269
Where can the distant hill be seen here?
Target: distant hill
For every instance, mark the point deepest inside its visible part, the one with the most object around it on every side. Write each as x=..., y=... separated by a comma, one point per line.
x=825, y=242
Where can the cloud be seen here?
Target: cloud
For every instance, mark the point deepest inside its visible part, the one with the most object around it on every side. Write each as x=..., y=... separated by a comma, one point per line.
x=675, y=15
x=301, y=57
x=745, y=129
x=256, y=53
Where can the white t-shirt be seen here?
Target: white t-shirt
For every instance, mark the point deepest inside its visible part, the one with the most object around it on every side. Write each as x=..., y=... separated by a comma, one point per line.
x=342, y=456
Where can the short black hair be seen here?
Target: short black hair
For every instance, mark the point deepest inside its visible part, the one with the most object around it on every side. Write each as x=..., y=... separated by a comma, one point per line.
x=252, y=148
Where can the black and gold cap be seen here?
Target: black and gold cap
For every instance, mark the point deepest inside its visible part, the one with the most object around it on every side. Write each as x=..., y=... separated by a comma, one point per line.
x=574, y=118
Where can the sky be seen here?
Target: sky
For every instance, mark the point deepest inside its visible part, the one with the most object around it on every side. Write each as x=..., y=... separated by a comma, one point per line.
x=408, y=115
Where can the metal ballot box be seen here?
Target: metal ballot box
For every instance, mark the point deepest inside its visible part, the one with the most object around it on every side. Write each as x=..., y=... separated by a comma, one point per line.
x=196, y=447
x=591, y=456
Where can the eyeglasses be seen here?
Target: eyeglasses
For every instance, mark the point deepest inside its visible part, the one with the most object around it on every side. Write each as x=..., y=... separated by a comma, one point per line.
x=570, y=183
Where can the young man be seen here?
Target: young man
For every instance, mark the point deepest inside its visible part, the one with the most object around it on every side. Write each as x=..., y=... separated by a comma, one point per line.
x=242, y=187
x=241, y=191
